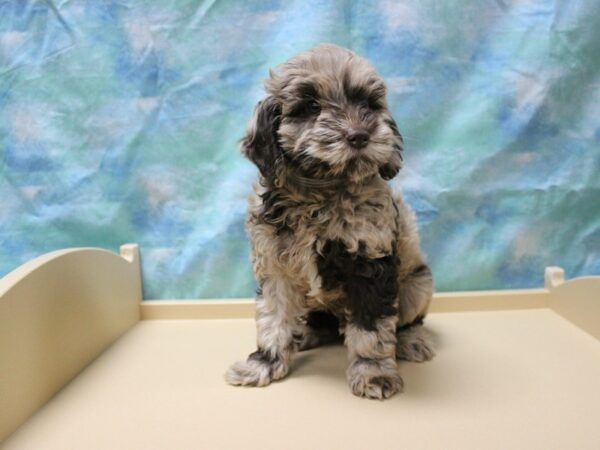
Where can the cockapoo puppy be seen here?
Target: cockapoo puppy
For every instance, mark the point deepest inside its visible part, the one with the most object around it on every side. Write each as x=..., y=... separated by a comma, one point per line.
x=335, y=252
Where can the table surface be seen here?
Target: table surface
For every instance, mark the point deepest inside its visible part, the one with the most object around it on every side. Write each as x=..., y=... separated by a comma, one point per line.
x=507, y=380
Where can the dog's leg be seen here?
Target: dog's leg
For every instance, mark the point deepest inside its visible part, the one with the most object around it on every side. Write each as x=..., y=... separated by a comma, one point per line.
x=415, y=291
x=370, y=288
x=373, y=372
x=414, y=343
x=277, y=308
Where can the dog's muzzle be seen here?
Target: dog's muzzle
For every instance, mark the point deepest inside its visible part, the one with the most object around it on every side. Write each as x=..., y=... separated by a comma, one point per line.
x=357, y=138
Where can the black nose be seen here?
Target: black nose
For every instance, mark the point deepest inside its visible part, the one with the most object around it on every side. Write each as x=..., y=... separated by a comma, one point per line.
x=357, y=138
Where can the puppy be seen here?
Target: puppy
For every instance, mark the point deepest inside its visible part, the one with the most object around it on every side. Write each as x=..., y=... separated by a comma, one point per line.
x=335, y=252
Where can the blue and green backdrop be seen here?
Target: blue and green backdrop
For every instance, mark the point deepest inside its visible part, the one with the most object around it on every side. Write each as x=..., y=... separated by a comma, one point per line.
x=119, y=122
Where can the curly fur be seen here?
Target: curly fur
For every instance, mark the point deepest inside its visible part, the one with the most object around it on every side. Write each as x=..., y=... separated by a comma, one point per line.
x=328, y=235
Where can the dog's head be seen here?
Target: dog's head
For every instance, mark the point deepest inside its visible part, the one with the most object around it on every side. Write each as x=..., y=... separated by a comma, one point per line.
x=326, y=116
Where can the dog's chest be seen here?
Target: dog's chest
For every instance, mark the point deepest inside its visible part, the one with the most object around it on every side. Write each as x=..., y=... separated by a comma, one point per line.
x=364, y=227
x=288, y=237
x=365, y=224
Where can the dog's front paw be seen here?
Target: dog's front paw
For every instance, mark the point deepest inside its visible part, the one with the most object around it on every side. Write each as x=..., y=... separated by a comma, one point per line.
x=248, y=373
x=257, y=370
x=376, y=379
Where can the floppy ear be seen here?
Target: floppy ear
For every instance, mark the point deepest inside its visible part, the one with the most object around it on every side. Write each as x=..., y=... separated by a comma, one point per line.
x=391, y=168
x=260, y=145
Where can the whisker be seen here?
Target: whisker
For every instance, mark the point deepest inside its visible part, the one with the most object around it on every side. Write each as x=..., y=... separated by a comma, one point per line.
x=409, y=139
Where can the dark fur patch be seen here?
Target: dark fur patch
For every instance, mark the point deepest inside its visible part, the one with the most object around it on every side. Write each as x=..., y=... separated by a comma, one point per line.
x=418, y=321
x=370, y=285
x=422, y=271
x=263, y=357
x=387, y=171
x=273, y=210
x=390, y=170
x=305, y=96
x=322, y=320
x=371, y=92
x=261, y=146
x=324, y=325
x=306, y=165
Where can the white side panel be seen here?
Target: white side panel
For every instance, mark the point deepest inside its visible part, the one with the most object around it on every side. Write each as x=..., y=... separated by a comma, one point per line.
x=577, y=300
x=57, y=313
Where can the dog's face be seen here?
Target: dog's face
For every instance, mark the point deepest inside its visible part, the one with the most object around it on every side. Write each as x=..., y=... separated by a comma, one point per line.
x=325, y=115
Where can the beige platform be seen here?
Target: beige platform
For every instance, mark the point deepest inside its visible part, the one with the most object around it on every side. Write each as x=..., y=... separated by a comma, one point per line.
x=514, y=370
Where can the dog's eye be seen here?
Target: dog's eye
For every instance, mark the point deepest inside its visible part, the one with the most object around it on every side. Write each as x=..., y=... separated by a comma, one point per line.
x=305, y=109
x=314, y=107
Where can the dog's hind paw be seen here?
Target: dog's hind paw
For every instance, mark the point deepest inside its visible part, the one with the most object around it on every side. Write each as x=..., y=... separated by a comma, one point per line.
x=414, y=345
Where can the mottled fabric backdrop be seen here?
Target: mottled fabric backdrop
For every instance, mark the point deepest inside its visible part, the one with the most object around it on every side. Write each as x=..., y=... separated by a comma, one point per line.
x=119, y=122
